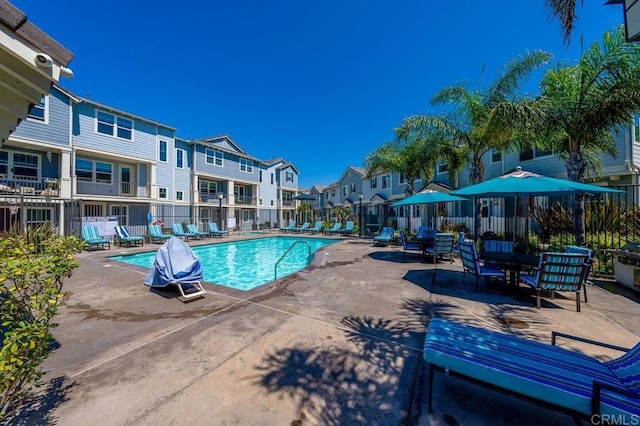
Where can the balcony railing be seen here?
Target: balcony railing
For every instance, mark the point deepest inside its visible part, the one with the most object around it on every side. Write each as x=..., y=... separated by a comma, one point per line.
x=213, y=198
x=287, y=203
x=112, y=189
x=246, y=200
x=26, y=185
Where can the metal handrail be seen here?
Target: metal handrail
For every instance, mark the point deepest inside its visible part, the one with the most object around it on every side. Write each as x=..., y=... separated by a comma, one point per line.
x=288, y=250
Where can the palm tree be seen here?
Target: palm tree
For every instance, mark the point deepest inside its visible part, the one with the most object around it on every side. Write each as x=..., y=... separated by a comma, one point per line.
x=565, y=11
x=579, y=108
x=467, y=128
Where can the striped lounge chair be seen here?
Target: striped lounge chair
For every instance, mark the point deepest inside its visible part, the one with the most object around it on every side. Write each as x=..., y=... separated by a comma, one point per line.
x=557, y=378
x=92, y=237
x=178, y=231
x=156, y=234
x=193, y=229
x=123, y=237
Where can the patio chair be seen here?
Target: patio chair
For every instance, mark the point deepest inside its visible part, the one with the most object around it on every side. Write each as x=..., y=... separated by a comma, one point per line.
x=442, y=246
x=215, y=232
x=302, y=228
x=176, y=264
x=456, y=247
x=316, y=228
x=156, y=235
x=423, y=231
x=558, y=272
x=385, y=237
x=588, y=252
x=409, y=247
x=471, y=264
x=178, y=231
x=564, y=380
x=123, y=236
x=93, y=239
x=193, y=229
x=334, y=230
x=496, y=246
x=290, y=227
x=348, y=228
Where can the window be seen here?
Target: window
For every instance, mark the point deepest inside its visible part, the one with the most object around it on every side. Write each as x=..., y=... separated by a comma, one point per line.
x=90, y=171
x=246, y=165
x=180, y=153
x=162, y=193
x=84, y=169
x=39, y=112
x=637, y=128
x=530, y=154
x=288, y=176
x=345, y=191
x=333, y=192
x=259, y=201
x=121, y=212
x=208, y=189
x=287, y=196
x=38, y=216
x=496, y=156
x=403, y=178
x=386, y=181
x=260, y=178
x=213, y=157
x=353, y=188
x=162, y=151
x=271, y=178
x=91, y=210
x=109, y=124
x=442, y=168
x=179, y=195
x=103, y=172
x=373, y=183
x=4, y=163
x=25, y=165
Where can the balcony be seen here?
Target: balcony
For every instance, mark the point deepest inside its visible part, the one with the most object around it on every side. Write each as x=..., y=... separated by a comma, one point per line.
x=26, y=185
x=112, y=189
x=287, y=203
x=245, y=200
x=212, y=198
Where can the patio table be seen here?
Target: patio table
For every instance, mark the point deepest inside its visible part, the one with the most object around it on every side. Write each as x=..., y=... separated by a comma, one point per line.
x=512, y=262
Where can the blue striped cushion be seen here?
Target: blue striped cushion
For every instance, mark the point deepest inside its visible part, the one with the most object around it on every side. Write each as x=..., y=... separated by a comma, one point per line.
x=627, y=368
x=540, y=371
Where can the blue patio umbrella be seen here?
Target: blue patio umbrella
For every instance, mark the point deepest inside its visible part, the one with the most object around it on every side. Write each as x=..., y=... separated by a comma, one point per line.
x=427, y=197
x=528, y=184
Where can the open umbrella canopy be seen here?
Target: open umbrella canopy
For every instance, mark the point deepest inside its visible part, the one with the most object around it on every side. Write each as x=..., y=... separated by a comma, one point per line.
x=304, y=197
x=428, y=197
x=524, y=183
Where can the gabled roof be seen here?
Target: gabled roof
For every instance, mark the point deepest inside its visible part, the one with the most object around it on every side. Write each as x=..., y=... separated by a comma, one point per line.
x=318, y=188
x=124, y=113
x=218, y=140
x=378, y=198
x=358, y=170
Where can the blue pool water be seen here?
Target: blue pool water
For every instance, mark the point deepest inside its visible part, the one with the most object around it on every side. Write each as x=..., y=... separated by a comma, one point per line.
x=247, y=264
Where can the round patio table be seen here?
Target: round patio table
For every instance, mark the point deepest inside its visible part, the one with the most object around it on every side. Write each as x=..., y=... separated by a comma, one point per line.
x=512, y=262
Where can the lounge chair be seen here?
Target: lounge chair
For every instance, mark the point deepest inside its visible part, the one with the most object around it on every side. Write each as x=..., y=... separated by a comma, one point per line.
x=215, y=232
x=93, y=239
x=348, y=228
x=588, y=252
x=156, y=235
x=471, y=264
x=409, y=247
x=303, y=228
x=176, y=264
x=442, y=246
x=290, y=227
x=558, y=272
x=385, y=237
x=456, y=248
x=123, y=236
x=316, y=228
x=565, y=380
x=334, y=230
x=191, y=228
x=178, y=231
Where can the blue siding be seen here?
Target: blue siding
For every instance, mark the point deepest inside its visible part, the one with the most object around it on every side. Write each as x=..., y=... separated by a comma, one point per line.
x=182, y=177
x=230, y=166
x=57, y=130
x=283, y=181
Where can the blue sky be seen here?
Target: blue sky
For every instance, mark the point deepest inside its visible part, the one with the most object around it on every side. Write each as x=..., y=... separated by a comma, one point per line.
x=319, y=83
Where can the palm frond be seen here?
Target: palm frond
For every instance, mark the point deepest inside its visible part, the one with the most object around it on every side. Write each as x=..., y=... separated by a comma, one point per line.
x=565, y=11
x=515, y=70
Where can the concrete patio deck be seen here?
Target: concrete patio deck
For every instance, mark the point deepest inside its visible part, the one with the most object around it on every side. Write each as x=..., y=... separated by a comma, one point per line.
x=341, y=345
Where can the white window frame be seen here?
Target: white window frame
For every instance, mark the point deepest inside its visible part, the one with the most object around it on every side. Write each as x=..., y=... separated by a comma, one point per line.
x=214, y=157
x=386, y=182
x=246, y=166
x=403, y=179
x=166, y=151
x=373, y=182
x=30, y=210
x=288, y=177
x=184, y=157
x=352, y=188
x=345, y=190
x=166, y=193
x=114, y=126
x=44, y=101
x=94, y=171
x=442, y=168
x=179, y=195
x=12, y=164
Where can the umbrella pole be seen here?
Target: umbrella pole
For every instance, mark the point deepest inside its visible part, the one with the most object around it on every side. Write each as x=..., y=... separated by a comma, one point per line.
x=515, y=220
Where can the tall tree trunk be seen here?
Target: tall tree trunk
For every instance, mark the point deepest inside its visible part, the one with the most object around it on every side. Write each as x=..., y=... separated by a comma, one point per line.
x=476, y=175
x=575, y=171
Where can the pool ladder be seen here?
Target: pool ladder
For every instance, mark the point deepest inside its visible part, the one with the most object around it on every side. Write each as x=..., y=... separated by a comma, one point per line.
x=288, y=250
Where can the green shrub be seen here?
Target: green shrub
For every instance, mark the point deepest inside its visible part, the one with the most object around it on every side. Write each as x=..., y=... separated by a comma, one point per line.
x=33, y=265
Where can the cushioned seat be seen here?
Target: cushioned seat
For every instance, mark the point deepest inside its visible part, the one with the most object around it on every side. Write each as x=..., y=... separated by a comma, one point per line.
x=560, y=378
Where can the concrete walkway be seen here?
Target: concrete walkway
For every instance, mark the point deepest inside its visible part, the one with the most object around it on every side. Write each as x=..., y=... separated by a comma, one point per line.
x=339, y=346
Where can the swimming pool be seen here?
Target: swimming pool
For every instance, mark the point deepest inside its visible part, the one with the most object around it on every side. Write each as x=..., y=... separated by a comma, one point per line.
x=247, y=264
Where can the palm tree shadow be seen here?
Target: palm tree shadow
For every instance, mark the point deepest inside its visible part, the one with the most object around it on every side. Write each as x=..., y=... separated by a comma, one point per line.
x=40, y=408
